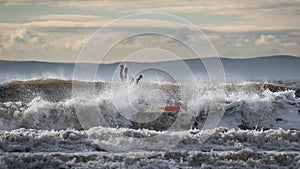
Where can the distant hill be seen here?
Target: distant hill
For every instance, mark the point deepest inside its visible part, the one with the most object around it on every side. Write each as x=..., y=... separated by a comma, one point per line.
x=261, y=68
x=272, y=67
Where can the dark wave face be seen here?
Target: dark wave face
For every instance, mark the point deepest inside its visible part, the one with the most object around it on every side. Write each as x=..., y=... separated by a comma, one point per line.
x=49, y=89
x=59, y=90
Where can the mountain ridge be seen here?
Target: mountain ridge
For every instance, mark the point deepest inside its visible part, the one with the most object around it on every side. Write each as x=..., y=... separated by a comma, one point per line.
x=269, y=68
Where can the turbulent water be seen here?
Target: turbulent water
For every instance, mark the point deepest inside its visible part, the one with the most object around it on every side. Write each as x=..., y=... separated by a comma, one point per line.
x=51, y=123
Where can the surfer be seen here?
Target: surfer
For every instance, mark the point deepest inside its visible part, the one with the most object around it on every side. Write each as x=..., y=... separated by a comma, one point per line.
x=124, y=75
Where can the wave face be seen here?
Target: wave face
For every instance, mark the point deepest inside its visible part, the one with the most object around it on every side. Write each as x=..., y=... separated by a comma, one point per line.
x=52, y=123
x=48, y=104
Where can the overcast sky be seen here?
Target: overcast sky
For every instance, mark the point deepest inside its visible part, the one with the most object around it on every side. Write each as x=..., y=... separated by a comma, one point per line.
x=44, y=30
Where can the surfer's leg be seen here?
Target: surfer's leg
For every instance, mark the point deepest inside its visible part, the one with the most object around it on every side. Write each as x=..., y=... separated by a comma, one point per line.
x=121, y=72
x=139, y=78
x=125, y=73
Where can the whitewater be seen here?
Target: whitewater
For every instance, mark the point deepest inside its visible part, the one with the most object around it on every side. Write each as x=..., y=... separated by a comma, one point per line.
x=51, y=123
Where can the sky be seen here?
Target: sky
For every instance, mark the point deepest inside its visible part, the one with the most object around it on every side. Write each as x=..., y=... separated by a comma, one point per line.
x=44, y=30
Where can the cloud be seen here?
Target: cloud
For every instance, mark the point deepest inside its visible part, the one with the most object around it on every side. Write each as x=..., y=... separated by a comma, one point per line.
x=290, y=44
x=67, y=17
x=19, y=37
x=27, y=44
x=250, y=44
x=244, y=28
x=241, y=42
x=267, y=40
x=53, y=25
x=255, y=15
x=117, y=26
x=257, y=28
x=24, y=35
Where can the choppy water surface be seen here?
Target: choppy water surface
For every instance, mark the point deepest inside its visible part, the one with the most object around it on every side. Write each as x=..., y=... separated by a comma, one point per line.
x=42, y=125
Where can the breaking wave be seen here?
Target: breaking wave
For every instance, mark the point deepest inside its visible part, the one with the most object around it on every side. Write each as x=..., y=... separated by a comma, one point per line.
x=50, y=104
x=46, y=123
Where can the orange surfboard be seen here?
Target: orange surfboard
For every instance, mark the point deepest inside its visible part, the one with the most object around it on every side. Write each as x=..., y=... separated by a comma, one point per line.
x=167, y=109
x=171, y=108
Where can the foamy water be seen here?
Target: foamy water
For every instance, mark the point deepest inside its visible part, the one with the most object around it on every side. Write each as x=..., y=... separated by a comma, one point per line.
x=45, y=123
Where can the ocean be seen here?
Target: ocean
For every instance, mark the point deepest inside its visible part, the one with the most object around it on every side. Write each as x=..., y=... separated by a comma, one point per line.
x=55, y=122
